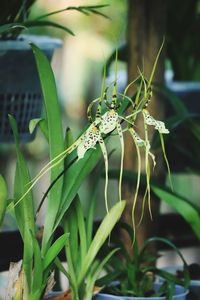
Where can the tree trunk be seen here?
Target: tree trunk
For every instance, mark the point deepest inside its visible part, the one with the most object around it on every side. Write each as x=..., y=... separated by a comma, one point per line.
x=146, y=25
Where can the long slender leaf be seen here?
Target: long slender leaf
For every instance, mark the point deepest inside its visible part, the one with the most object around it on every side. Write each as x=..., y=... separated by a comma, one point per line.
x=10, y=27
x=173, y=99
x=81, y=229
x=54, y=250
x=183, y=206
x=3, y=198
x=24, y=211
x=85, y=9
x=101, y=235
x=96, y=272
x=44, y=23
x=71, y=268
x=70, y=224
x=56, y=141
x=74, y=177
x=38, y=267
x=90, y=215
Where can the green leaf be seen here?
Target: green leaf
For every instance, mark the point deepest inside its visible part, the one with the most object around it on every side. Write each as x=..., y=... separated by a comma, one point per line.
x=42, y=123
x=56, y=141
x=68, y=138
x=174, y=100
x=100, y=237
x=81, y=229
x=90, y=215
x=74, y=177
x=97, y=268
x=54, y=250
x=3, y=198
x=70, y=224
x=181, y=205
x=43, y=23
x=10, y=27
x=38, y=267
x=33, y=124
x=59, y=265
x=24, y=211
x=85, y=9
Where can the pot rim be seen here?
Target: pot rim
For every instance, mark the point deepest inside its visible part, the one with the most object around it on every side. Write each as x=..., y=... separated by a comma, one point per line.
x=182, y=292
x=22, y=42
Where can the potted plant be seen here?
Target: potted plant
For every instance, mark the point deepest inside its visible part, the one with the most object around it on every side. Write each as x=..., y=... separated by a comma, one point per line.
x=68, y=170
x=135, y=276
x=82, y=248
x=32, y=277
x=20, y=93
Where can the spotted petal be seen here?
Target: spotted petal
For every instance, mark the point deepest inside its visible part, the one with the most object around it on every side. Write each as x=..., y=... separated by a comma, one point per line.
x=141, y=143
x=108, y=121
x=159, y=125
x=89, y=140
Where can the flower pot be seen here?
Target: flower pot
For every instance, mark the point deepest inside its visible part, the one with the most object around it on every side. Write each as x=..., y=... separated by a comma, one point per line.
x=54, y=295
x=20, y=92
x=194, y=290
x=194, y=287
x=180, y=294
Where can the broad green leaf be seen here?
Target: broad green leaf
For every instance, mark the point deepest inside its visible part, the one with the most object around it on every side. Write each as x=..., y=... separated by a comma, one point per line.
x=56, y=141
x=100, y=237
x=54, y=250
x=181, y=205
x=3, y=198
x=74, y=177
